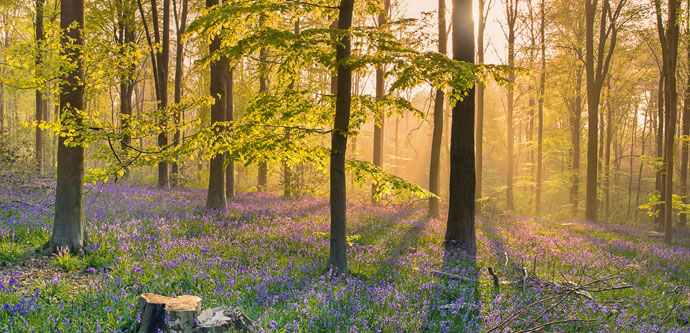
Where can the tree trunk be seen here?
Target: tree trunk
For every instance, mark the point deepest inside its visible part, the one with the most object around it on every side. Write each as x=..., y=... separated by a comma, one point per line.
x=437, y=136
x=542, y=91
x=460, y=230
x=287, y=172
x=479, y=131
x=684, y=143
x=229, y=116
x=511, y=15
x=670, y=62
x=381, y=115
x=596, y=73
x=219, y=69
x=607, y=156
x=639, y=174
x=163, y=64
x=125, y=37
x=341, y=125
x=41, y=103
x=262, y=180
x=69, y=226
x=575, y=119
x=179, y=69
x=659, y=184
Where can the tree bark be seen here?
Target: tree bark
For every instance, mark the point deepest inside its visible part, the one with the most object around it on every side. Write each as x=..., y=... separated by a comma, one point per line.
x=219, y=68
x=669, y=39
x=460, y=229
x=542, y=91
x=163, y=64
x=41, y=102
x=575, y=121
x=181, y=27
x=262, y=181
x=229, y=117
x=686, y=133
x=437, y=136
x=124, y=37
x=381, y=116
x=596, y=73
x=341, y=125
x=69, y=225
x=659, y=184
x=511, y=16
x=479, y=131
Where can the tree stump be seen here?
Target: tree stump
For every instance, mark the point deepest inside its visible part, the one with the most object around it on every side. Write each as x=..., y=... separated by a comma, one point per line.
x=169, y=314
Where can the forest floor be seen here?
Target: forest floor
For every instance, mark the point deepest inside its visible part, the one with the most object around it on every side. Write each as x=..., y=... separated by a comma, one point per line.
x=267, y=255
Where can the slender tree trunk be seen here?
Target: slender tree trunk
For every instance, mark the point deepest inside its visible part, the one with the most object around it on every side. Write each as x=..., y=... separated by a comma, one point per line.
x=2, y=107
x=69, y=226
x=639, y=174
x=230, y=117
x=607, y=157
x=41, y=103
x=596, y=73
x=126, y=36
x=542, y=91
x=686, y=134
x=479, y=131
x=437, y=136
x=219, y=69
x=287, y=172
x=659, y=184
x=381, y=115
x=163, y=64
x=181, y=26
x=670, y=62
x=262, y=180
x=633, y=135
x=460, y=229
x=511, y=15
x=341, y=125
x=575, y=119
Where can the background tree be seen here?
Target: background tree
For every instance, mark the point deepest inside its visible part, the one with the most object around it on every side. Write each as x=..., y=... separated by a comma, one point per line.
x=435, y=167
x=218, y=68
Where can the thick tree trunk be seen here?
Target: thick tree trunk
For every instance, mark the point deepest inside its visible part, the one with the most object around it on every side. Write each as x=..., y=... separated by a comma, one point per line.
x=341, y=125
x=437, y=136
x=460, y=230
x=219, y=69
x=179, y=69
x=69, y=226
x=41, y=103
